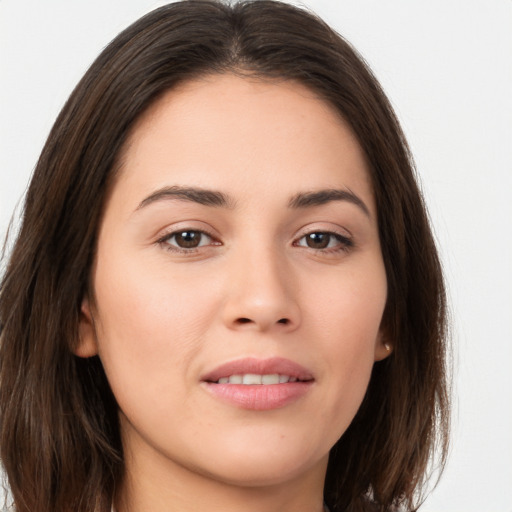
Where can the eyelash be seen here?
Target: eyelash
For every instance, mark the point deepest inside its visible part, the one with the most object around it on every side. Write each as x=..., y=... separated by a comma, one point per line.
x=345, y=244
x=164, y=241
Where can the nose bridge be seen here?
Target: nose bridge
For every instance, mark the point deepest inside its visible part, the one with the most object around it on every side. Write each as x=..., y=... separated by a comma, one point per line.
x=261, y=292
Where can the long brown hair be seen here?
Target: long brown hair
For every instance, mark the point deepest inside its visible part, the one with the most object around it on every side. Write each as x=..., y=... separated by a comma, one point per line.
x=59, y=432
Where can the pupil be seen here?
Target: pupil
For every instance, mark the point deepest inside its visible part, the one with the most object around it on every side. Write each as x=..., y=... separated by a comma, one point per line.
x=188, y=239
x=318, y=240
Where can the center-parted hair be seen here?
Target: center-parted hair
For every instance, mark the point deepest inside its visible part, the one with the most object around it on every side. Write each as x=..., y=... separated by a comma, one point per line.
x=59, y=432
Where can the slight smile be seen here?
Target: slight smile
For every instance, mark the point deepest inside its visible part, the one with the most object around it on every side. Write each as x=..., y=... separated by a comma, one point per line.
x=259, y=384
x=255, y=379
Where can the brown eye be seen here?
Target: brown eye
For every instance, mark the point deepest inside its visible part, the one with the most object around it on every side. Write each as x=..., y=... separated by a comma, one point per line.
x=188, y=239
x=325, y=240
x=318, y=240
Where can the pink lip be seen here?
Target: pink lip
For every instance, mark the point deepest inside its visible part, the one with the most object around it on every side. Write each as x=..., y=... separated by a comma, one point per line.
x=259, y=397
x=259, y=366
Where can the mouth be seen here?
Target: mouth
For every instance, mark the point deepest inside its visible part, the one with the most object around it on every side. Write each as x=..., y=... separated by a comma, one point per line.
x=254, y=379
x=259, y=384
x=254, y=371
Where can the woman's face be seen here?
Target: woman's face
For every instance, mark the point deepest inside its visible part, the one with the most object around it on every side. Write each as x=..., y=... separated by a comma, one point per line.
x=238, y=285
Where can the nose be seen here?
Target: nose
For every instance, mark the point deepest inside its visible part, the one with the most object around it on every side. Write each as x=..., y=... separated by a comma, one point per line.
x=261, y=293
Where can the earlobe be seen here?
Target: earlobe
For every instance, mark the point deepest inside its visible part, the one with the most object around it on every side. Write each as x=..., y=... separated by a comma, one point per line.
x=383, y=349
x=87, y=342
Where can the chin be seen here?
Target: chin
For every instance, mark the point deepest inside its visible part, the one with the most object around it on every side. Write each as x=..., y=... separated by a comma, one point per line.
x=260, y=464
x=263, y=475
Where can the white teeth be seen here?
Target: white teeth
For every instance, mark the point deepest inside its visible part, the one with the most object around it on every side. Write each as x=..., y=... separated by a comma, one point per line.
x=255, y=379
x=270, y=379
x=251, y=378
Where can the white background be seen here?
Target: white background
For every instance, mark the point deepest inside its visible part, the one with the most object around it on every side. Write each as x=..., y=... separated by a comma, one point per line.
x=447, y=67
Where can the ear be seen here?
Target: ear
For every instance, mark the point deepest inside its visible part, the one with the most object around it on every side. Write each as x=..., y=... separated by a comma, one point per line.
x=383, y=347
x=87, y=342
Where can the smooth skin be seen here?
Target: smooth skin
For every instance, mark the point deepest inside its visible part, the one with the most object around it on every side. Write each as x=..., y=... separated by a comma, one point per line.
x=261, y=266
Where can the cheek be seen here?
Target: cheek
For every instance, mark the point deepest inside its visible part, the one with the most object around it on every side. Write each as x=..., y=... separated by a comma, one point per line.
x=151, y=323
x=349, y=306
x=150, y=301
x=347, y=317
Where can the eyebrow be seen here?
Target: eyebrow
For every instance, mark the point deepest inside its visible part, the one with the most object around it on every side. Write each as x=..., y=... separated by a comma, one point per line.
x=321, y=197
x=192, y=194
x=220, y=200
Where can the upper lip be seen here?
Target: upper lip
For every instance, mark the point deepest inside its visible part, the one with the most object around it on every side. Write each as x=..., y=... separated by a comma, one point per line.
x=274, y=365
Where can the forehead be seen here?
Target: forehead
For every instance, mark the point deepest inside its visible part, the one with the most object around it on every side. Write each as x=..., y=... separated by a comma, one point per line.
x=224, y=130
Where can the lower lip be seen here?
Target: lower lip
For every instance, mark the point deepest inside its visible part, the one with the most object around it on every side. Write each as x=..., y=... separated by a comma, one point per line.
x=259, y=397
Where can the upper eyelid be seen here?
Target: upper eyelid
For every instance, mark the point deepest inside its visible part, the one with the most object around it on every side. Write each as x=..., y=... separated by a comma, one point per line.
x=173, y=230
x=339, y=236
x=170, y=234
x=340, y=231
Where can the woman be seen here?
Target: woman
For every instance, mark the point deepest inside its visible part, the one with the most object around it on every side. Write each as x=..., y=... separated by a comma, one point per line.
x=225, y=293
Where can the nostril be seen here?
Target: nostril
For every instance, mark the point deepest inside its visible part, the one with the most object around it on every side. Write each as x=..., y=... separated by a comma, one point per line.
x=243, y=320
